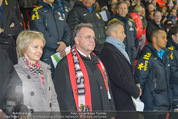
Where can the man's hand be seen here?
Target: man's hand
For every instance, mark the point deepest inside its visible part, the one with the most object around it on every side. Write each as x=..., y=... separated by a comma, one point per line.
x=61, y=48
x=140, y=92
x=12, y=25
x=1, y=30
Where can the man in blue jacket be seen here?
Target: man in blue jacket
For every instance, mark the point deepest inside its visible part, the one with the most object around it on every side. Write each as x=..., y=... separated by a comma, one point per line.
x=153, y=74
x=47, y=18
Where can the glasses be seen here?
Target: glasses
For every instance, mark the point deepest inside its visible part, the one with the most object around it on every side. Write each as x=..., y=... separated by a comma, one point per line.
x=87, y=37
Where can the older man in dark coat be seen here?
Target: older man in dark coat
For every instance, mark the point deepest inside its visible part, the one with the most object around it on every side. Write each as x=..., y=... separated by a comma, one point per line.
x=118, y=66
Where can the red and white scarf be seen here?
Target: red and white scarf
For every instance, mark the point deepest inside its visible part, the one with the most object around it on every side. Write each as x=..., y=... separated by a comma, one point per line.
x=80, y=81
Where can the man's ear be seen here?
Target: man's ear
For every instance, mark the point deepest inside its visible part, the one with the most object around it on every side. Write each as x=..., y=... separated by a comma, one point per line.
x=112, y=33
x=76, y=39
x=153, y=40
x=173, y=37
x=117, y=11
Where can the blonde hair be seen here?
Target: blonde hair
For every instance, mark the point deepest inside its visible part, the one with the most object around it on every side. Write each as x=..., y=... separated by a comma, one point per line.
x=138, y=8
x=25, y=38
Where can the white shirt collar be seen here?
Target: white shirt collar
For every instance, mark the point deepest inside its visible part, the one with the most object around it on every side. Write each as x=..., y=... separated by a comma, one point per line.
x=83, y=53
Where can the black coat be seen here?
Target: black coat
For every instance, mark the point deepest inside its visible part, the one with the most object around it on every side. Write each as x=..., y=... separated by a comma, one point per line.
x=122, y=81
x=8, y=37
x=62, y=83
x=121, y=77
x=150, y=27
x=153, y=74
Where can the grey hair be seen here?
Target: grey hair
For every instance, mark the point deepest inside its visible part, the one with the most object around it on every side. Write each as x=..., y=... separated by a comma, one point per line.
x=79, y=27
x=112, y=26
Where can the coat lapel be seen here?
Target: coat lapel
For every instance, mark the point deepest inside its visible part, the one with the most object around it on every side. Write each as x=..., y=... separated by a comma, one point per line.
x=118, y=52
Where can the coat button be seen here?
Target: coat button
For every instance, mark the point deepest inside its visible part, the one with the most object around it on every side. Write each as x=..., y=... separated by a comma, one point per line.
x=49, y=88
x=29, y=77
x=31, y=110
x=32, y=93
x=50, y=104
x=101, y=87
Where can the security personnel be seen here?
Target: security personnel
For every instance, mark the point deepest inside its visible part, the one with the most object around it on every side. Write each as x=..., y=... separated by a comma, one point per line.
x=153, y=74
x=47, y=18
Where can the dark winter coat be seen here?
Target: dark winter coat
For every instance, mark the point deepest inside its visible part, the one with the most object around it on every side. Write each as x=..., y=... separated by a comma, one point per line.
x=121, y=77
x=171, y=45
x=153, y=74
x=8, y=37
x=62, y=83
x=150, y=27
x=52, y=25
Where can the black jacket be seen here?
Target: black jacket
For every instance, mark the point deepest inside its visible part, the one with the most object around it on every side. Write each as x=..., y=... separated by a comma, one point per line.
x=121, y=78
x=80, y=14
x=171, y=45
x=153, y=74
x=62, y=83
x=9, y=17
x=130, y=40
x=8, y=37
x=52, y=25
x=151, y=26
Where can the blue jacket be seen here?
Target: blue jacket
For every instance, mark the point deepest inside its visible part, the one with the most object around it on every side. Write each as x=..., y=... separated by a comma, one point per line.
x=153, y=74
x=171, y=45
x=52, y=25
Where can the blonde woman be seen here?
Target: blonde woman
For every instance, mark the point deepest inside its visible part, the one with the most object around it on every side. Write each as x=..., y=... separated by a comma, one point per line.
x=38, y=89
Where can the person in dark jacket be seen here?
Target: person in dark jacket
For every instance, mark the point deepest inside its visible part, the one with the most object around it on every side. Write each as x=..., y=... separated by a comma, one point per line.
x=118, y=66
x=15, y=3
x=130, y=31
x=10, y=27
x=47, y=18
x=155, y=24
x=153, y=74
x=173, y=46
x=10, y=85
x=84, y=12
x=80, y=80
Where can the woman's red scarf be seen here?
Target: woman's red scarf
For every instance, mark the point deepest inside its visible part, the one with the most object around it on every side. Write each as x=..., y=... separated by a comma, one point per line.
x=80, y=81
